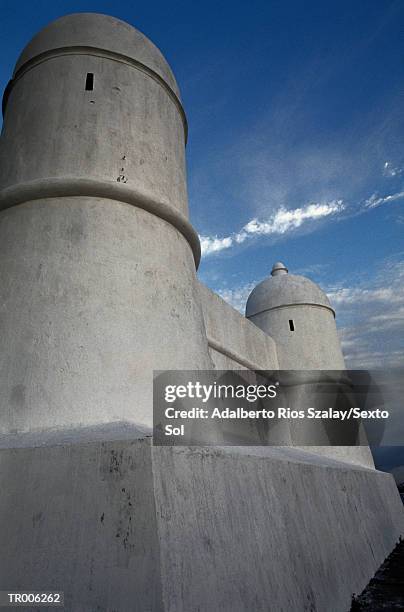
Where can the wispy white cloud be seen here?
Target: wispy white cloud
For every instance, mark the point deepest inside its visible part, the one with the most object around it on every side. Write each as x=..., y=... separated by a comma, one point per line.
x=371, y=315
x=356, y=295
x=281, y=222
x=237, y=296
x=213, y=244
x=376, y=200
x=390, y=170
x=286, y=220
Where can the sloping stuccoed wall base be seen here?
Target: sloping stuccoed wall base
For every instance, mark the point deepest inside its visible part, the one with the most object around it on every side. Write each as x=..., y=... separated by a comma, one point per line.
x=124, y=526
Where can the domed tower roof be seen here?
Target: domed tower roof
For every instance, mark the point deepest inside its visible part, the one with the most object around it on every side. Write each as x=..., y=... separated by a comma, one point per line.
x=284, y=289
x=93, y=31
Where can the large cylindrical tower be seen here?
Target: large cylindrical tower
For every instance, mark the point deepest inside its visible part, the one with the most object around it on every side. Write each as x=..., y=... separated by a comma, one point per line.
x=97, y=256
x=296, y=313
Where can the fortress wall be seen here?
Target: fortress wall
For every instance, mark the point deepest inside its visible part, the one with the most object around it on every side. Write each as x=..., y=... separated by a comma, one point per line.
x=269, y=529
x=234, y=342
x=122, y=525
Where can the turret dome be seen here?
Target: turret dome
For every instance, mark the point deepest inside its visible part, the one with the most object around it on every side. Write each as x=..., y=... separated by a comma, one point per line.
x=284, y=289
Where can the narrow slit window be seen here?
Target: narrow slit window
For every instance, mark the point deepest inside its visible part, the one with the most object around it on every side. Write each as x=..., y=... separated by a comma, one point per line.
x=291, y=325
x=89, y=81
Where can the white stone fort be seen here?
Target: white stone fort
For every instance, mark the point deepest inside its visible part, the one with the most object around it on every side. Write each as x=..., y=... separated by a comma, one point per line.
x=98, y=288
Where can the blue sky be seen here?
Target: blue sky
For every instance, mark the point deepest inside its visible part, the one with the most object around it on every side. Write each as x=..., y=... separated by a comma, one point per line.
x=295, y=148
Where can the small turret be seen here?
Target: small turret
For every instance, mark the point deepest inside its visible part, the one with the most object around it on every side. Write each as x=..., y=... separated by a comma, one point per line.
x=297, y=314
